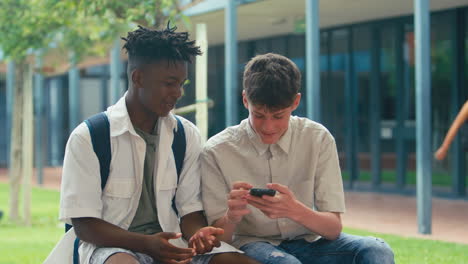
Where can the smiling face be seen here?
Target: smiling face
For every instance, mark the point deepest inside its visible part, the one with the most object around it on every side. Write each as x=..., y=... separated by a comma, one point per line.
x=159, y=85
x=270, y=125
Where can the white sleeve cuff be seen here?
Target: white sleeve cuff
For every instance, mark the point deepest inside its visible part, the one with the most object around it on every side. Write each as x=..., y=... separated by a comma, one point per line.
x=66, y=214
x=190, y=208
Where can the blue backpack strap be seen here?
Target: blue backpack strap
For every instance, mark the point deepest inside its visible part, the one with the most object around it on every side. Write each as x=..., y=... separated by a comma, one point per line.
x=178, y=148
x=99, y=129
x=76, y=254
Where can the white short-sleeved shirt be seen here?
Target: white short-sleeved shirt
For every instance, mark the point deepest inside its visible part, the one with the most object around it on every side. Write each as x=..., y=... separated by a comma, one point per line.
x=305, y=159
x=81, y=194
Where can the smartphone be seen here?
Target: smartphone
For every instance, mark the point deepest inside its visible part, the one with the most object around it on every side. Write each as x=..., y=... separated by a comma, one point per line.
x=259, y=192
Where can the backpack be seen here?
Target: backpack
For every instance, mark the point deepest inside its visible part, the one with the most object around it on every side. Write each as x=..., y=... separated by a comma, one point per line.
x=99, y=130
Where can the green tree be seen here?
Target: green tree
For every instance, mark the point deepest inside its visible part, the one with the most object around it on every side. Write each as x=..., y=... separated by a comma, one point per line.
x=26, y=26
x=75, y=27
x=93, y=25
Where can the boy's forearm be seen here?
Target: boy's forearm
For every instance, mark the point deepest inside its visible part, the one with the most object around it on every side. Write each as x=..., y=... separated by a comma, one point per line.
x=105, y=234
x=228, y=226
x=325, y=224
x=461, y=118
x=191, y=223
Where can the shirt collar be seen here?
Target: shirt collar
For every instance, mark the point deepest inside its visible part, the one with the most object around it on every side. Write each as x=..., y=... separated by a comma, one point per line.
x=120, y=120
x=283, y=143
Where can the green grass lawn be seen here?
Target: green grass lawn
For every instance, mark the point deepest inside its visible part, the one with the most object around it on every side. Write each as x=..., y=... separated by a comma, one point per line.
x=20, y=244
x=24, y=245
x=420, y=251
x=438, y=178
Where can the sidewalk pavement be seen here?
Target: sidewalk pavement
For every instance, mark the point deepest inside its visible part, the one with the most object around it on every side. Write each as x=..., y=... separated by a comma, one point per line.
x=376, y=212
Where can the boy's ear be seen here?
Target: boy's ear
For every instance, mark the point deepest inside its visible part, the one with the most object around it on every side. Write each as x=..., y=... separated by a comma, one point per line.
x=297, y=101
x=244, y=100
x=137, y=78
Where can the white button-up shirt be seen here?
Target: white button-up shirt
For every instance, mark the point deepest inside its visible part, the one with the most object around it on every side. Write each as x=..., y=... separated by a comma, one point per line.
x=81, y=194
x=304, y=159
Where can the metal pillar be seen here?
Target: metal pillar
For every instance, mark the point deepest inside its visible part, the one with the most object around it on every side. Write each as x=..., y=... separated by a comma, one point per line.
x=73, y=95
x=230, y=86
x=56, y=121
x=115, y=72
x=423, y=115
x=201, y=93
x=313, y=59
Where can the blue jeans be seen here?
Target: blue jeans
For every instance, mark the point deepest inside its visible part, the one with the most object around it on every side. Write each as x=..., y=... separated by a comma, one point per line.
x=346, y=249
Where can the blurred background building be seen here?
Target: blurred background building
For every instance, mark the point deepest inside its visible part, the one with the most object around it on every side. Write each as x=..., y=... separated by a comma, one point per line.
x=367, y=59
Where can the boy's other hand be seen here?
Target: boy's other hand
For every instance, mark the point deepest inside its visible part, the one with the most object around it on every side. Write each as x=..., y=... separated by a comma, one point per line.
x=441, y=153
x=205, y=239
x=283, y=205
x=159, y=248
x=237, y=202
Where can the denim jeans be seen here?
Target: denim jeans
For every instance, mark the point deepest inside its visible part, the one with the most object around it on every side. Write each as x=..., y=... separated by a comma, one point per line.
x=346, y=249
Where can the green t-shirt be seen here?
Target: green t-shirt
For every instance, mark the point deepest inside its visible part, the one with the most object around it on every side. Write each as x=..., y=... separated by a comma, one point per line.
x=146, y=217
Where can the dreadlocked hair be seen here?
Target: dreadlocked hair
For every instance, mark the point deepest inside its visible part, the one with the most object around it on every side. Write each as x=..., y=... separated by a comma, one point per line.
x=145, y=45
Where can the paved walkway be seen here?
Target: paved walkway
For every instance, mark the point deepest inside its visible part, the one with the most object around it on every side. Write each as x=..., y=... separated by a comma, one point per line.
x=384, y=213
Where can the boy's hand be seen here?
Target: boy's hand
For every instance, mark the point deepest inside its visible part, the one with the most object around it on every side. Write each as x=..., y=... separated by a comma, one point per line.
x=205, y=239
x=237, y=202
x=283, y=205
x=159, y=248
x=441, y=153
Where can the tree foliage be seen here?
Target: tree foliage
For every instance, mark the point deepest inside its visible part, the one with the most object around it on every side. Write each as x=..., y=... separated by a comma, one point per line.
x=81, y=26
x=25, y=26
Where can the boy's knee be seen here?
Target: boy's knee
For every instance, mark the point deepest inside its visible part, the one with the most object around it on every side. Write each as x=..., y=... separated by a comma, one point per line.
x=375, y=250
x=121, y=258
x=232, y=258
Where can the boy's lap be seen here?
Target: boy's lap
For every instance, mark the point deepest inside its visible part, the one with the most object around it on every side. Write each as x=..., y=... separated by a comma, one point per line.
x=100, y=255
x=342, y=250
x=268, y=254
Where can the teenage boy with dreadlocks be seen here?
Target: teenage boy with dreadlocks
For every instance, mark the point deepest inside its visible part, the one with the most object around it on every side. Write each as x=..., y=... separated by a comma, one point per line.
x=295, y=157
x=132, y=220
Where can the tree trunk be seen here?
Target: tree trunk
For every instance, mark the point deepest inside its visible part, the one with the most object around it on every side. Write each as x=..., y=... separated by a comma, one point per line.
x=158, y=15
x=15, y=172
x=28, y=142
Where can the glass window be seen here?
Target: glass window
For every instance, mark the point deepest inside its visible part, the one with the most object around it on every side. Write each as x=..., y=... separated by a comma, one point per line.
x=441, y=73
x=326, y=108
x=296, y=52
x=388, y=83
x=216, y=114
x=362, y=44
x=244, y=55
x=57, y=118
x=279, y=45
x=262, y=46
x=338, y=54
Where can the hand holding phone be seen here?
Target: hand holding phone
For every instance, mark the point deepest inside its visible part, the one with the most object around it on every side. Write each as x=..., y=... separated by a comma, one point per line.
x=259, y=192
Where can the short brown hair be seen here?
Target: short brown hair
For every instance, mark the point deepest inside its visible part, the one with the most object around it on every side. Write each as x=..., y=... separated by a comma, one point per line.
x=271, y=80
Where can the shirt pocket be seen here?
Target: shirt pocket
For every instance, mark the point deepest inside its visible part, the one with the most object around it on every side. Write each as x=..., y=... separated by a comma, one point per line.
x=168, y=187
x=169, y=177
x=120, y=188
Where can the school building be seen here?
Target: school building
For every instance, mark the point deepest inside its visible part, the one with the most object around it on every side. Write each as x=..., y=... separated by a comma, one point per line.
x=367, y=95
